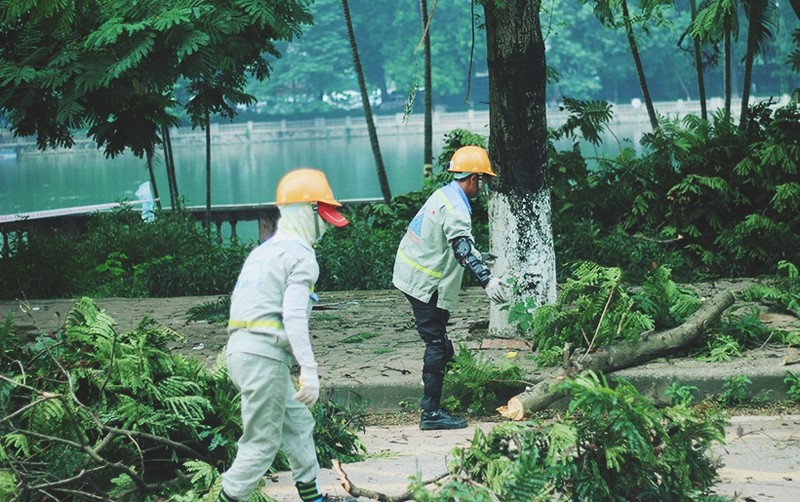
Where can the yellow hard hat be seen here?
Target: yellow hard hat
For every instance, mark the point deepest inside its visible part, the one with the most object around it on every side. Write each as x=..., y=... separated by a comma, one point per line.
x=311, y=186
x=305, y=185
x=471, y=159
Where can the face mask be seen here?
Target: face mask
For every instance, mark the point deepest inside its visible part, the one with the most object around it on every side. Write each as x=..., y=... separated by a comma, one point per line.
x=320, y=226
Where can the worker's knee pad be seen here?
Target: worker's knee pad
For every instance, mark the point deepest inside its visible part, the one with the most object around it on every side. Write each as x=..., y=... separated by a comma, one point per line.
x=435, y=359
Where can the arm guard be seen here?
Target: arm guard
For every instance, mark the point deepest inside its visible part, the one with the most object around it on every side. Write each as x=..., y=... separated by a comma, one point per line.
x=462, y=248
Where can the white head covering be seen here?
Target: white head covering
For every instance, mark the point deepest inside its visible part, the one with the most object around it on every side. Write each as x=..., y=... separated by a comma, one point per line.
x=300, y=221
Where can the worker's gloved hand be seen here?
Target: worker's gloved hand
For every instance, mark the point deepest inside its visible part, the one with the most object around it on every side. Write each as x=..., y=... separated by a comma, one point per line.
x=495, y=290
x=489, y=259
x=309, y=386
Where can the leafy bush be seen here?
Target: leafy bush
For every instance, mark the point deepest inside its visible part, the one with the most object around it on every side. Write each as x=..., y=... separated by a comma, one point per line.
x=122, y=255
x=793, y=381
x=697, y=200
x=610, y=444
x=88, y=411
x=476, y=385
x=735, y=392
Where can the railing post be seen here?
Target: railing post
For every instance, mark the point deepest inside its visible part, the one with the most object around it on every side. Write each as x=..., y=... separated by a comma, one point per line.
x=234, y=237
x=218, y=224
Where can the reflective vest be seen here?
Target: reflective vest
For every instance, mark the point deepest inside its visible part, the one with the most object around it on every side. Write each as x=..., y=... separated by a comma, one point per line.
x=425, y=263
x=257, y=298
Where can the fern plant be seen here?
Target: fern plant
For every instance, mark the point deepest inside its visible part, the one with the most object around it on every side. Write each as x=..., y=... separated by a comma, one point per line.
x=475, y=384
x=664, y=301
x=610, y=444
x=593, y=309
x=95, y=411
x=783, y=291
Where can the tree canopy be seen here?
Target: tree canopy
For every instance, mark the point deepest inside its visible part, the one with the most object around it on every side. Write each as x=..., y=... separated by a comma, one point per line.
x=110, y=67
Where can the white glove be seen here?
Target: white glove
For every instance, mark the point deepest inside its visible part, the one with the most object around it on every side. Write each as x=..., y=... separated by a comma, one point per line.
x=309, y=386
x=494, y=289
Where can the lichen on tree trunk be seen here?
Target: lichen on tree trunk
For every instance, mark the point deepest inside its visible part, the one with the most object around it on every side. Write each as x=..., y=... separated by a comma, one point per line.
x=519, y=215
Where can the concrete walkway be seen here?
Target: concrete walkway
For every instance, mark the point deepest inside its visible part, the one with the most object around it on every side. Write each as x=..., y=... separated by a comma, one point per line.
x=761, y=460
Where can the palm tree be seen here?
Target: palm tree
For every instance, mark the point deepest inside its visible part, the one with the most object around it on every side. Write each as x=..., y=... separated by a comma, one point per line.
x=761, y=16
x=718, y=21
x=362, y=85
x=698, y=66
x=605, y=10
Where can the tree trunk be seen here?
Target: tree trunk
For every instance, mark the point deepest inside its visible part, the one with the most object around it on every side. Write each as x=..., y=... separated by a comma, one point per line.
x=207, y=220
x=748, y=65
x=152, y=174
x=362, y=85
x=169, y=163
x=637, y=62
x=427, y=158
x=521, y=233
x=726, y=71
x=619, y=356
x=698, y=66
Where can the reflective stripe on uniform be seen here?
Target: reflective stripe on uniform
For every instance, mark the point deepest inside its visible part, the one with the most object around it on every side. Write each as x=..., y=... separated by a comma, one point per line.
x=445, y=199
x=417, y=266
x=249, y=325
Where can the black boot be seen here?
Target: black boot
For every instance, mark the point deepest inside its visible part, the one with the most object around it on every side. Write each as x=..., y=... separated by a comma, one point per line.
x=440, y=420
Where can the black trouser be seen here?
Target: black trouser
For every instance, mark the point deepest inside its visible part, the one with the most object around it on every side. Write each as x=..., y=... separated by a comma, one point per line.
x=432, y=328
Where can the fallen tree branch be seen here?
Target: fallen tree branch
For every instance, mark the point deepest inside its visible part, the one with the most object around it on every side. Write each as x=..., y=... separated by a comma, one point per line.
x=617, y=356
x=356, y=491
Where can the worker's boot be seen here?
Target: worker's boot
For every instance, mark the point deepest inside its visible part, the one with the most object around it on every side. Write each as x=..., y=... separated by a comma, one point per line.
x=440, y=420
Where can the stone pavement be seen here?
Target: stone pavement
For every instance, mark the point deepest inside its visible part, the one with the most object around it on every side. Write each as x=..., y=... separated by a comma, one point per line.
x=761, y=460
x=368, y=351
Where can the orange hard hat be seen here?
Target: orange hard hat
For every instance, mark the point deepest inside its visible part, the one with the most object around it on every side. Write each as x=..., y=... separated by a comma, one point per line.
x=471, y=159
x=311, y=186
x=305, y=185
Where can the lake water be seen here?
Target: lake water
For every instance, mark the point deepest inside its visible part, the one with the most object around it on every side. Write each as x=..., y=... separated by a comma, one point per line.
x=240, y=174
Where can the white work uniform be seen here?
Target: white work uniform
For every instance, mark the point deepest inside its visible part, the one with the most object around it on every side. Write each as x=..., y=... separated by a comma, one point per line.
x=425, y=262
x=259, y=356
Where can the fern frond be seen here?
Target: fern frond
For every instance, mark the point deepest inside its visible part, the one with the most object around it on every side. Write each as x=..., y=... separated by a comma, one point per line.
x=130, y=60
x=106, y=34
x=15, y=441
x=42, y=416
x=786, y=197
x=202, y=474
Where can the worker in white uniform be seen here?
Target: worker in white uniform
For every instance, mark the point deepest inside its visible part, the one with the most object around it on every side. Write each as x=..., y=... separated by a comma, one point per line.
x=268, y=334
x=429, y=266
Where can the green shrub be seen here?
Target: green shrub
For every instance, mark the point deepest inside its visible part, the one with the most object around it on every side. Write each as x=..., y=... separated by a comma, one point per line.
x=735, y=392
x=122, y=255
x=793, y=380
x=476, y=385
x=100, y=412
x=610, y=444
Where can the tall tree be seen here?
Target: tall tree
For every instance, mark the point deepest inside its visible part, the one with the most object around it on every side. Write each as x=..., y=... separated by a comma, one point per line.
x=718, y=21
x=362, y=85
x=606, y=12
x=427, y=157
x=519, y=207
x=761, y=18
x=110, y=66
x=698, y=65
